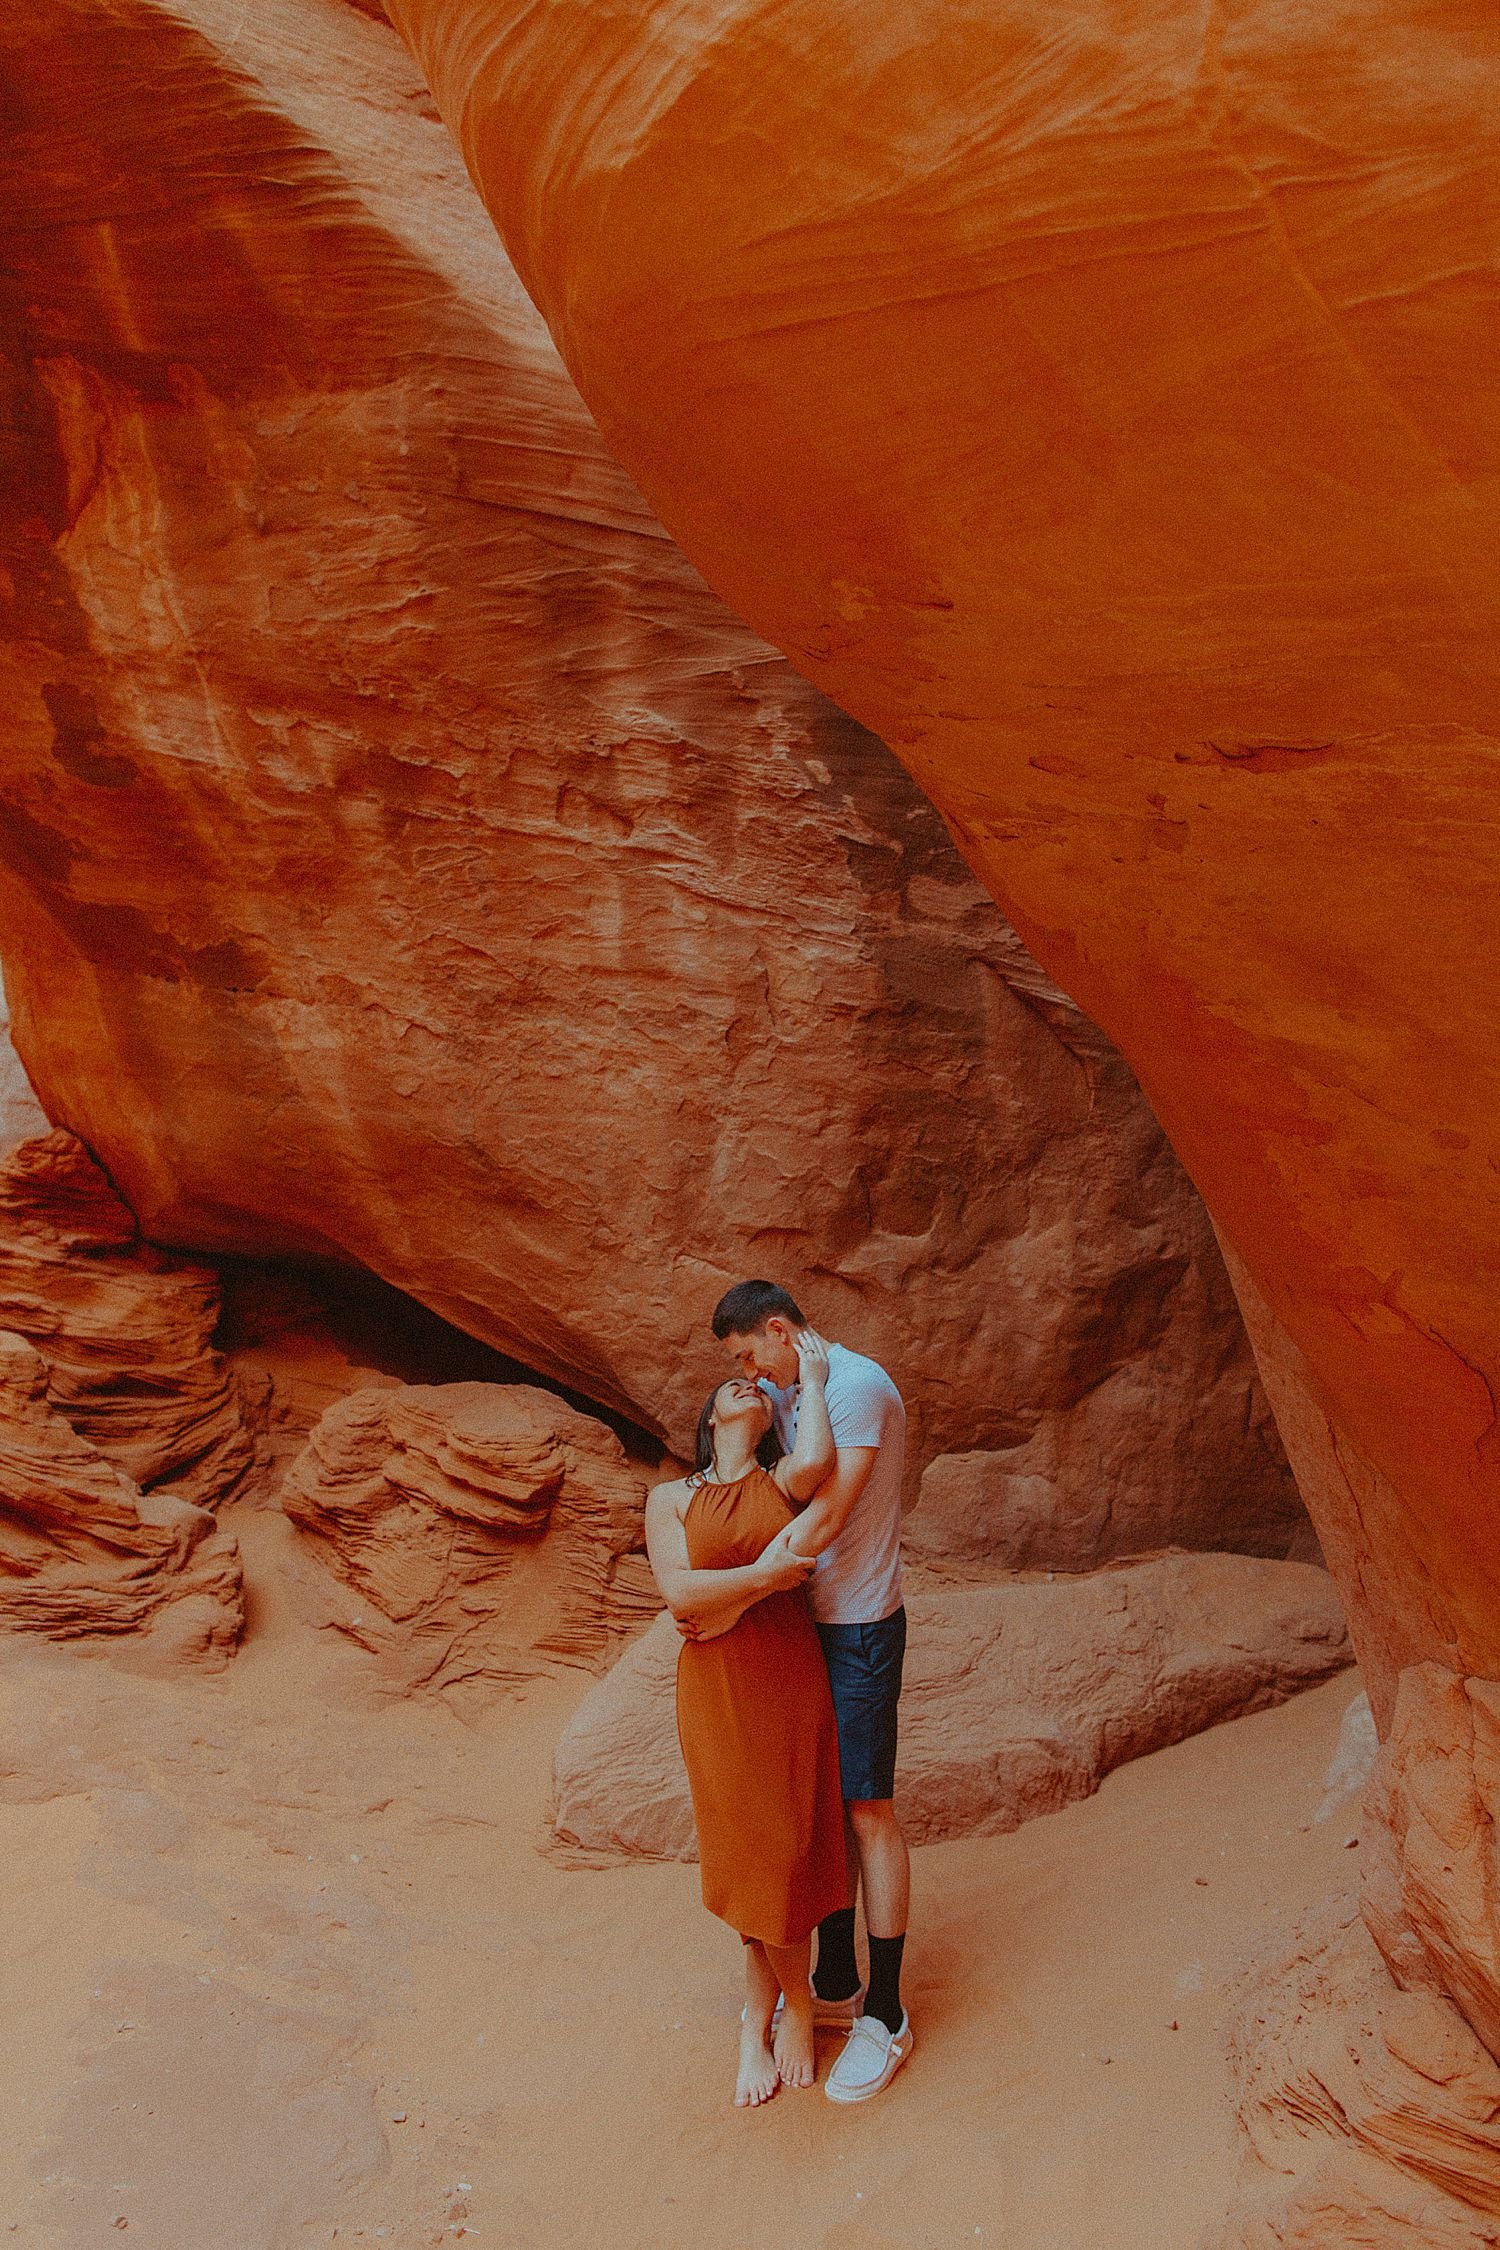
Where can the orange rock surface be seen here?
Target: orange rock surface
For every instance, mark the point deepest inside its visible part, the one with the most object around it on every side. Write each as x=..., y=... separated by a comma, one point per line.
x=1098, y=404
x=491, y=1532
x=1372, y=2117
x=406, y=857
x=1436, y=1790
x=83, y=1550
x=120, y=1425
x=125, y=1329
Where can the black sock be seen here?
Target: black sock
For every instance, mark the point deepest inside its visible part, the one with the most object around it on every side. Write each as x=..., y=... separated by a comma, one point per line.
x=884, y=1996
x=836, y=1976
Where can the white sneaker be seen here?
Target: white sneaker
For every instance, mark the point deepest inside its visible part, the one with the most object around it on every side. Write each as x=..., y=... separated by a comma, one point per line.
x=870, y=2060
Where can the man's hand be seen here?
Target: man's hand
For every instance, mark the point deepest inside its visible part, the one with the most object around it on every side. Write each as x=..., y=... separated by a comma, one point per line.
x=782, y=1568
x=778, y=1569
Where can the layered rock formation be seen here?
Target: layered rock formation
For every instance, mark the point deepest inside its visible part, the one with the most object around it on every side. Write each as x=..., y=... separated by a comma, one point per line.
x=1018, y=1699
x=120, y=1426
x=84, y=1550
x=1371, y=2116
x=1431, y=1888
x=126, y=1329
x=1095, y=409
x=491, y=1532
x=405, y=856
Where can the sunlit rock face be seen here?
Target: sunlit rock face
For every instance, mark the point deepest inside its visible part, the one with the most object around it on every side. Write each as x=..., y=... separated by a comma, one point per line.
x=1098, y=404
x=405, y=855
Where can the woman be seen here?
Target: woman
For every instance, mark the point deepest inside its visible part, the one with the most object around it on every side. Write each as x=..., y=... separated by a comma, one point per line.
x=754, y=1711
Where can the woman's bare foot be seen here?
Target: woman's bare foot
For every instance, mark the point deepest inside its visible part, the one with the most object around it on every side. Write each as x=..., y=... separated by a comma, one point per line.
x=759, y=2076
x=793, y=2047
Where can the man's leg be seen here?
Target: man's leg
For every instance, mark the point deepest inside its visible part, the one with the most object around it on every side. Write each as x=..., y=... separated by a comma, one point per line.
x=865, y=1665
x=885, y=1874
x=864, y=1670
x=836, y=1976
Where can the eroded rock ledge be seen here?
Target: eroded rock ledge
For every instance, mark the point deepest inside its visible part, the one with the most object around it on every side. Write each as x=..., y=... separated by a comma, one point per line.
x=126, y=1329
x=1018, y=1699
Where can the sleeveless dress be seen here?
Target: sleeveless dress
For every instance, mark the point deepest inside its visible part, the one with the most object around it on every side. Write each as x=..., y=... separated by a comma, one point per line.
x=755, y=1719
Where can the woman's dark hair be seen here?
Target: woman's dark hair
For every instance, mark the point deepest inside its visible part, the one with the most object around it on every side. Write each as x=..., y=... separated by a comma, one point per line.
x=767, y=1453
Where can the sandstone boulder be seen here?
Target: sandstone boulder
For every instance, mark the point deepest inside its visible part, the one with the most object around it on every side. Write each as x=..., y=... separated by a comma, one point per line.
x=1097, y=405
x=489, y=1531
x=1371, y=2115
x=125, y=1329
x=404, y=857
x=83, y=1550
x=1018, y=1699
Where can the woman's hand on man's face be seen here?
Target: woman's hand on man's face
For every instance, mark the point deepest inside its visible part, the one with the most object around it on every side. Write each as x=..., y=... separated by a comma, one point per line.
x=812, y=1357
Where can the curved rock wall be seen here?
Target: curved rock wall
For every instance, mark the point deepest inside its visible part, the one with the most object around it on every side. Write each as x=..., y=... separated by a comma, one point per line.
x=1096, y=404
x=406, y=857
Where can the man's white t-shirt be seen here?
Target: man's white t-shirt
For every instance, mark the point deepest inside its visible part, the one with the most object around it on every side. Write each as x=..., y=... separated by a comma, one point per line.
x=858, y=1578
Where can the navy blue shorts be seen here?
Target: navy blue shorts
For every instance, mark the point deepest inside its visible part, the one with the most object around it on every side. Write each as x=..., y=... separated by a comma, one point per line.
x=864, y=1671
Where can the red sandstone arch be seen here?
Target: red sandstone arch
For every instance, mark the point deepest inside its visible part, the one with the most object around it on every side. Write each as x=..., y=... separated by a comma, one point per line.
x=1093, y=402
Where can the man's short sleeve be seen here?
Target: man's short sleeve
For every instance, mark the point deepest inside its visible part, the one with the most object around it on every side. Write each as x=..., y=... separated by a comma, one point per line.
x=858, y=1406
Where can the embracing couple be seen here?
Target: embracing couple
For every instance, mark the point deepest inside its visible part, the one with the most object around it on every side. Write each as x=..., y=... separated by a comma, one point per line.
x=780, y=1559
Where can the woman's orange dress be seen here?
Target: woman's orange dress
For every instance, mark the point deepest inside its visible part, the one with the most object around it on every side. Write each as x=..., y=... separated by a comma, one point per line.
x=755, y=1718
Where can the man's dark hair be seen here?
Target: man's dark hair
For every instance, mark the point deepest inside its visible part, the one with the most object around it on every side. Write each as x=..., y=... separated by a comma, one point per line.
x=745, y=1308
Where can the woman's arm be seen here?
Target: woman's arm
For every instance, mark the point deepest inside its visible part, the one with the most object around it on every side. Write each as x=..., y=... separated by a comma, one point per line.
x=709, y=1601
x=801, y=1472
x=798, y=1474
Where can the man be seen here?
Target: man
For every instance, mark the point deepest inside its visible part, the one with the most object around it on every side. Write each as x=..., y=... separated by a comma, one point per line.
x=853, y=1526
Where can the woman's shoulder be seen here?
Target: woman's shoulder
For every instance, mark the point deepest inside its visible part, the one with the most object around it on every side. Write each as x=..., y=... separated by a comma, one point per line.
x=672, y=1498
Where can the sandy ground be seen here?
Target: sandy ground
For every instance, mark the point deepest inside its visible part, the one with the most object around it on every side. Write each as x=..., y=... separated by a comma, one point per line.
x=285, y=1965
